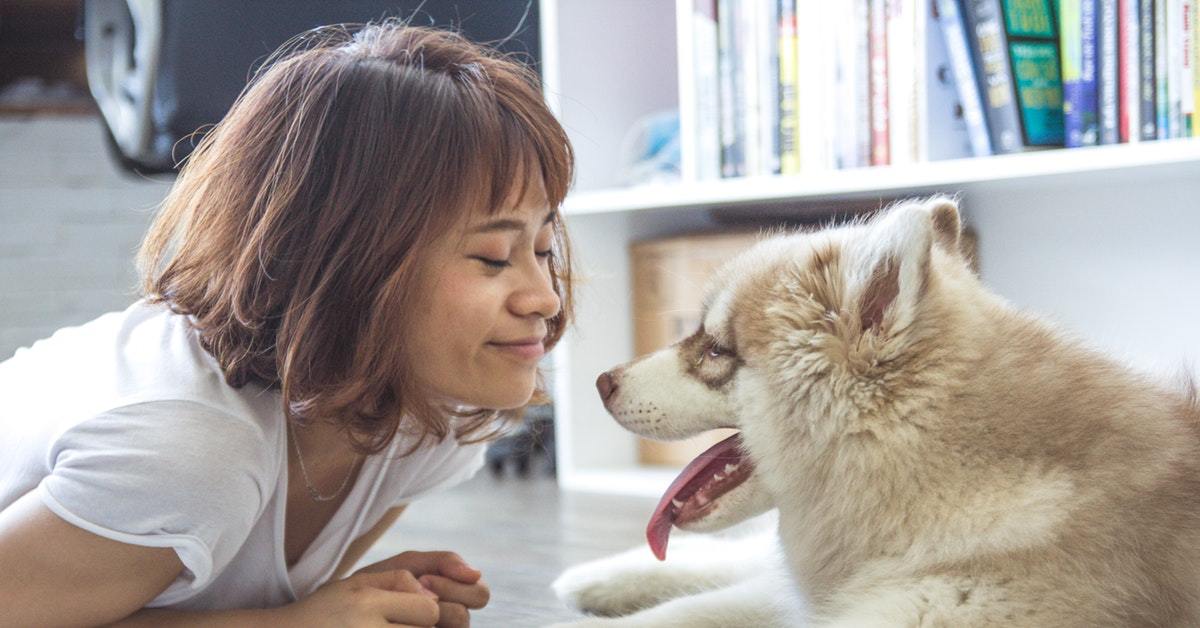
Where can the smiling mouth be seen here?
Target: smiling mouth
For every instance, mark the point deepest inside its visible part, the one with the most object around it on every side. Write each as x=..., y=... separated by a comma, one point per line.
x=529, y=350
x=694, y=494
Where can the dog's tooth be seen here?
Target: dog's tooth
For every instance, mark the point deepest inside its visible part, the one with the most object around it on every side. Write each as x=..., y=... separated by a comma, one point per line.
x=676, y=503
x=729, y=468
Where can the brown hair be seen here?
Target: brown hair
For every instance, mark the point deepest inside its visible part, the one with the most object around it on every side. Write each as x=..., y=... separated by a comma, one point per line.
x=296, y=229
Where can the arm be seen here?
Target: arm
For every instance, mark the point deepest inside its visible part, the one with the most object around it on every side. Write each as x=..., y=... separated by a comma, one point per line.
x=364, y=542
x=42, y=557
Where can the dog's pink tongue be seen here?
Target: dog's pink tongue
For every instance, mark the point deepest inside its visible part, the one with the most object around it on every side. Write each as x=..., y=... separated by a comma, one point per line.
x=693, y=476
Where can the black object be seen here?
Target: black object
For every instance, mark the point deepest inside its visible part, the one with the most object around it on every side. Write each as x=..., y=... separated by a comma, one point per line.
x=529, y=446
x=161, y=70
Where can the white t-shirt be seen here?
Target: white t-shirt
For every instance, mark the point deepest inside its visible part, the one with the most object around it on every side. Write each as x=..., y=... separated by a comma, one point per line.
x=126, y=428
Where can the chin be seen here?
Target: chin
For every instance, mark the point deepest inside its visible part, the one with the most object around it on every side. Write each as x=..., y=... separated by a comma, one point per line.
x=516, y=395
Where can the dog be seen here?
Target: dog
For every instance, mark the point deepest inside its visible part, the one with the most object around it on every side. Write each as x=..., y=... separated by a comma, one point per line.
x=935, y=456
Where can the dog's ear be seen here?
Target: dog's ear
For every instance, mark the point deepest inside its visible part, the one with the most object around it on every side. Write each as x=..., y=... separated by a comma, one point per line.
x=890, y=266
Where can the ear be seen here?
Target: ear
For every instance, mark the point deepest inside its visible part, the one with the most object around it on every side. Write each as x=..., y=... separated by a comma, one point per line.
x=890, y=270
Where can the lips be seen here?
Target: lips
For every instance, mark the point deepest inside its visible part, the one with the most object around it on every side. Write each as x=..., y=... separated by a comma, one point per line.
x=530, y=348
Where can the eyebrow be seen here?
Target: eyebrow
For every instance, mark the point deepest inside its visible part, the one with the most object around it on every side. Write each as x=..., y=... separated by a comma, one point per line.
x=509, y=224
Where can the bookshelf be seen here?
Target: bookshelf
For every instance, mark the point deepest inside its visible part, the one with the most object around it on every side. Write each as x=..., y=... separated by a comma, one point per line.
x=1075, y=212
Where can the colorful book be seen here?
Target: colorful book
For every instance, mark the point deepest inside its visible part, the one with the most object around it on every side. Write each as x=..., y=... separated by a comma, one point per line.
x=958, y=54
x=1187, y=68
x=1147, y=71
x=1107, y=53
x=1128, y=66
x=789, y=86
x=1195, y=73
x=1078, y=49
x=880, y=148
x=1162, y=75
x=1022, y=99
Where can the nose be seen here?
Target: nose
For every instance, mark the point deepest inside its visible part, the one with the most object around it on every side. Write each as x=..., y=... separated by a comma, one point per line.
x=607, y=385
x=538, y=297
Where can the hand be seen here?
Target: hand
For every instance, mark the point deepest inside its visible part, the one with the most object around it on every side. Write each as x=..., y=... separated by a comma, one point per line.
x=457, y=585
x=380, y=598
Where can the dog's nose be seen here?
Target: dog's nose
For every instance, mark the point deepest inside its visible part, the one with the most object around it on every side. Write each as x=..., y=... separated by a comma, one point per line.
x=606, y=385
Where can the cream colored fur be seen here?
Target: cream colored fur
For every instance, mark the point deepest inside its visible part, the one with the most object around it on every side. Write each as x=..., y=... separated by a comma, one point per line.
x=937, y=457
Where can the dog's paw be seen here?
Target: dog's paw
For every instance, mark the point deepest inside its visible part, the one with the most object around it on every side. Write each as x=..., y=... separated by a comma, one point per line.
x=598, y=589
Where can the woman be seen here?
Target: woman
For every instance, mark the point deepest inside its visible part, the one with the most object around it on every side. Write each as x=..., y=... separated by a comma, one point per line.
x=346, y=292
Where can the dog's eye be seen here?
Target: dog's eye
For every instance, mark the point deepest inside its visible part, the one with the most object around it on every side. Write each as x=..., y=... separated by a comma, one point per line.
x=717, y=351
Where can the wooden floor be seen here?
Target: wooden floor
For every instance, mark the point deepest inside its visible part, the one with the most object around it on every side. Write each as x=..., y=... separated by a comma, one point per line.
x=521, y=533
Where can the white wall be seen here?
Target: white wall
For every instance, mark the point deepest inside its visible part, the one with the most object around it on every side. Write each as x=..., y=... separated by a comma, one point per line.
x=1114, y=258
x=69, y=226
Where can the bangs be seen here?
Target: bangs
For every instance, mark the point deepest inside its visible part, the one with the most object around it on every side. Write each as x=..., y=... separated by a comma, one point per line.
x=505, y=146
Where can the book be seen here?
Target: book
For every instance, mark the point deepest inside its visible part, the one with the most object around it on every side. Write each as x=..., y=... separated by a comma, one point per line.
x=958, y=53
x=1078, y=50
x=941, y=129
x=1106, y=75
x=707, y=105
x=880, y=148
x=1147, y=71
x=1187, y=68
x=733, y=163
x=1162, y=75
x=1195, y=73
x=902, y=62
x=1128, y=67
x=789, y=86
x=1022, y=99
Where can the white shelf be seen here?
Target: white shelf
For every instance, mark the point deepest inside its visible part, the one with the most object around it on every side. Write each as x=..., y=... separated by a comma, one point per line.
x=1103, y=239
x=955, y=173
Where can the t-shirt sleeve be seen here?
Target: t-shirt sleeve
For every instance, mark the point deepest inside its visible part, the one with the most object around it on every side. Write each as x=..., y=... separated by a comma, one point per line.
x=172, y=474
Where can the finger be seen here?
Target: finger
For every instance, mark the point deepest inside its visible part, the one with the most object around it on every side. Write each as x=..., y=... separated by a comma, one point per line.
x=474, y=596
x=451, y=615
x=408, y=608
x=448, y=564
x=398, y=580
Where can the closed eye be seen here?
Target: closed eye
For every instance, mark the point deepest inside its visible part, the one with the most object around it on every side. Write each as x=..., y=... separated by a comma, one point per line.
x=493, y=263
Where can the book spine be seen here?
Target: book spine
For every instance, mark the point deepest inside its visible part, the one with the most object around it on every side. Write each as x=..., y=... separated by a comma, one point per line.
x=1147, y=66
x=1195, y=70
x=1128, y=67
x=789, y=99
x=1088, y=93
x=750, y=107
x=845, y=75
x=1187, y=69
x=901, y=80
x=768, y=86
x=1106, y=80
x=1071, y=51
x=862, y=82
x=880, y=153
x=707, y=105
x=1034, y=50
x=989, y=53
x=954, y=34
x=1163, y=74
x=1175, y=68
x=732, y=163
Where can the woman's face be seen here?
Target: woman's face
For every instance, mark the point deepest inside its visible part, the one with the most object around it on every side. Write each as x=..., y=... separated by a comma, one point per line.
x=486, y=293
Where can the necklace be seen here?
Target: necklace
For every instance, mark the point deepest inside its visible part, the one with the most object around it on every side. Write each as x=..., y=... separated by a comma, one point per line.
x=312, y=492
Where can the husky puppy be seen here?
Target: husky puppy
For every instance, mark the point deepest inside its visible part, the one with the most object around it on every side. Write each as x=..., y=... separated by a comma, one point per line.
x=936, y=457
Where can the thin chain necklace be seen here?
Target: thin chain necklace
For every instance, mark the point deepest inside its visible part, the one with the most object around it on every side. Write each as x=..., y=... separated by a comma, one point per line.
x=312, y=492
